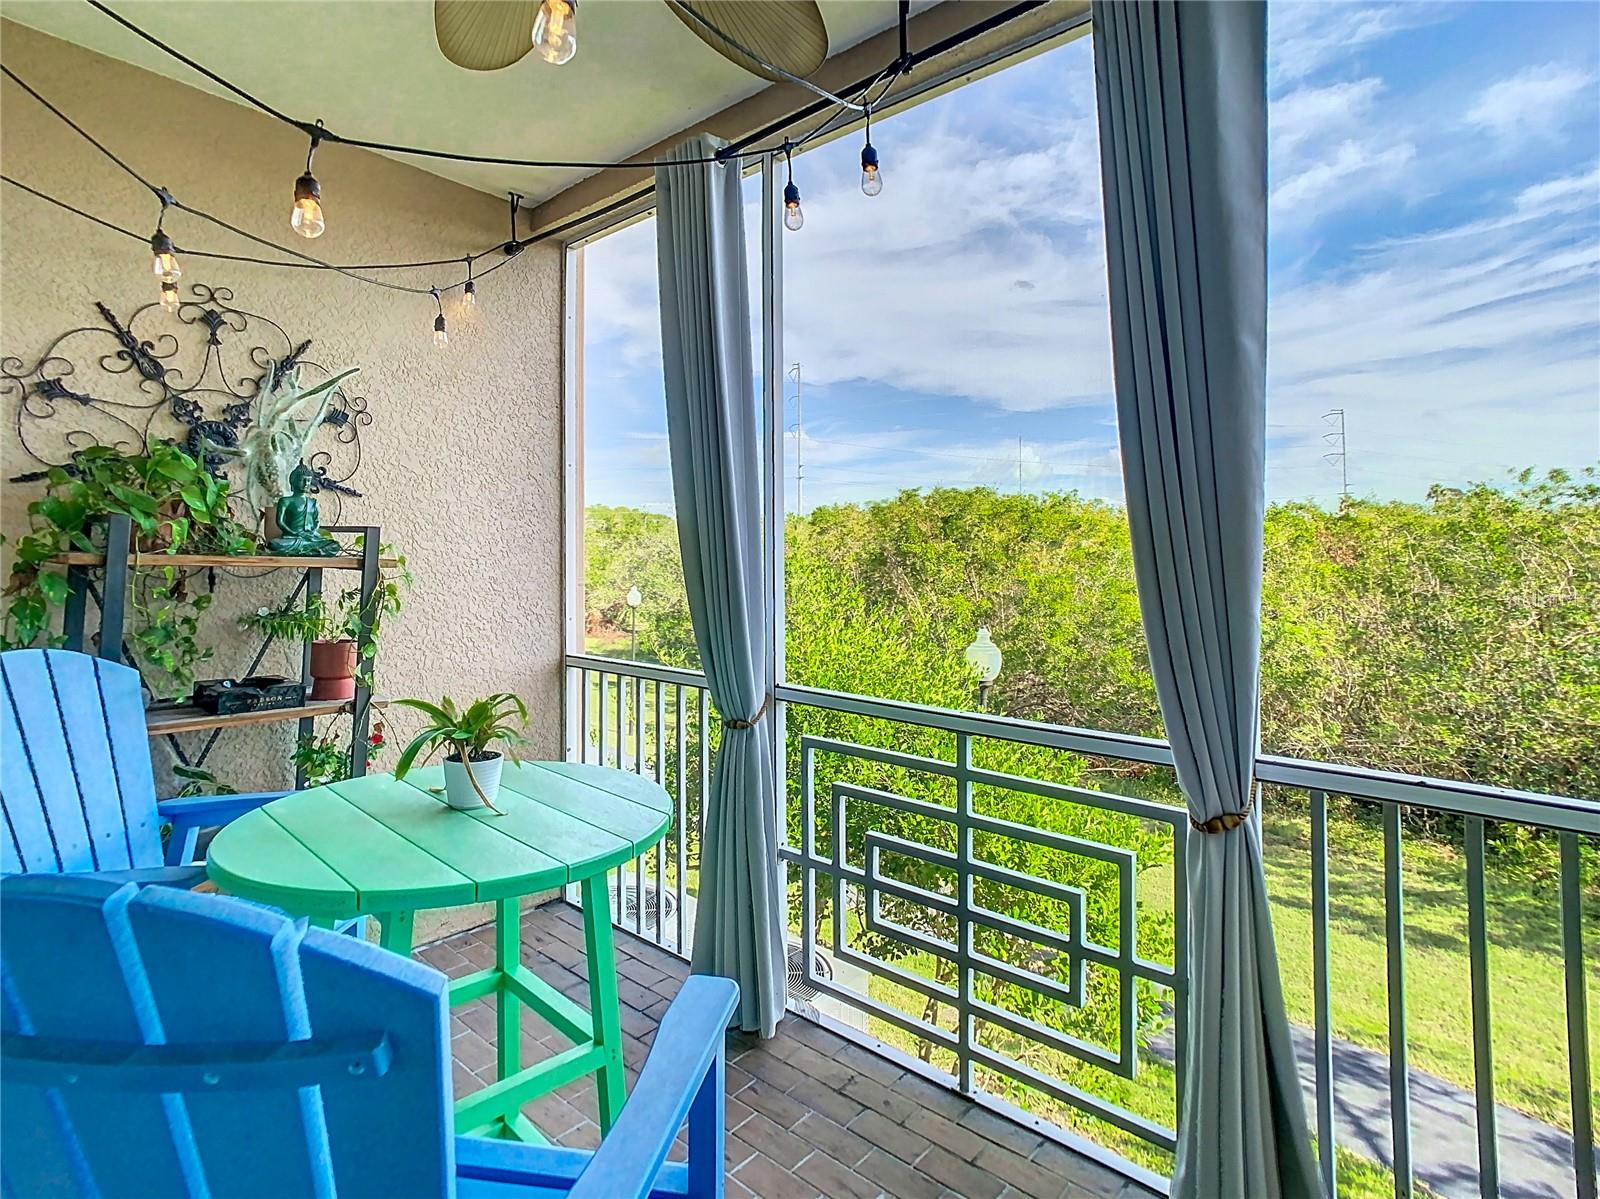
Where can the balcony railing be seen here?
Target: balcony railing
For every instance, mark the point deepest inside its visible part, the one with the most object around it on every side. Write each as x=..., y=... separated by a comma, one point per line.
x=908, y=924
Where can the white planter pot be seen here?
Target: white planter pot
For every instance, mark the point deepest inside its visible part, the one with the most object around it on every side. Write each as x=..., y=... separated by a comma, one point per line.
x=458, y=789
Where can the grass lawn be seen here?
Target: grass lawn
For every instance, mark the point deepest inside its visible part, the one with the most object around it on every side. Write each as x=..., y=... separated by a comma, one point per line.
x=1527, y=1000
x=1527, y=997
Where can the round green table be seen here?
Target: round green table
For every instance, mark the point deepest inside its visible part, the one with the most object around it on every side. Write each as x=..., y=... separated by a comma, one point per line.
x=389, y=848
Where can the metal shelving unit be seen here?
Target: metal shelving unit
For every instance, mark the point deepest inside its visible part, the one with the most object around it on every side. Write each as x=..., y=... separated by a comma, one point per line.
x=114, y=569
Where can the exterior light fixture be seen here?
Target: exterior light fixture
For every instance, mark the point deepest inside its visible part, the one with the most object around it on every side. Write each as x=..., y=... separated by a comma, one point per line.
x=306, y=219
x=469, y=290
x=440, y=337
x=164, y=262
x=871, y=177
x=985, y=658
x=169, y=296
x=793, y=218
x=555, y=31
x=634, y=600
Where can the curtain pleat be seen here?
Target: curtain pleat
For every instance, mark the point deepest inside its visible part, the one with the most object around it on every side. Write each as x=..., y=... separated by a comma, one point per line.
x=1182, y=104
x=713, y=437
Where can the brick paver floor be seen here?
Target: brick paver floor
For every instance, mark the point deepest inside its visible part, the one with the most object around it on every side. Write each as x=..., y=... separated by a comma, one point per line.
x=809, y=1113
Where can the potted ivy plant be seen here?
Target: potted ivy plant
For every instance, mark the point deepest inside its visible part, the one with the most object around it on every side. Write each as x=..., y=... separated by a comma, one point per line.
x=176, y=506
x=472, y=764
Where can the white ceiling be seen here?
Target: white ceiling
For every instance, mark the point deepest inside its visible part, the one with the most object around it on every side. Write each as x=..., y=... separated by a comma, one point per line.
x=373, y=69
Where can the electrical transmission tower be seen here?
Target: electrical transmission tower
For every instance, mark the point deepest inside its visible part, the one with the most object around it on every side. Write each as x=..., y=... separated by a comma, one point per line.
x=799, y=440
x=1339, y=455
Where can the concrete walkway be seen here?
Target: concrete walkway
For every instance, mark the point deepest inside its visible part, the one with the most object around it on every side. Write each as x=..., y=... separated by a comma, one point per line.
x=1535, y=1158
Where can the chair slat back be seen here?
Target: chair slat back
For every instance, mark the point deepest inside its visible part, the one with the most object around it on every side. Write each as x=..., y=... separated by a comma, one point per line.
x=210, y=979
x=75, y=777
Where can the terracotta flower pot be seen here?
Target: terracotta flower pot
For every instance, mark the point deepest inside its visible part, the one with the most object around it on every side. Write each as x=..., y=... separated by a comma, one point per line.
x=333, y=669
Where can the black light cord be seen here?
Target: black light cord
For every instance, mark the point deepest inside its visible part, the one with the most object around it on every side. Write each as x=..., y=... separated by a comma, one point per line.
x=840, y=103
x=363, y=143
x=318, y=132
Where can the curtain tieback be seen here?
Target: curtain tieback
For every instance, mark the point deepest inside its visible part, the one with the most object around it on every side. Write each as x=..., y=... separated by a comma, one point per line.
x=1227, y=821
x=750, y=723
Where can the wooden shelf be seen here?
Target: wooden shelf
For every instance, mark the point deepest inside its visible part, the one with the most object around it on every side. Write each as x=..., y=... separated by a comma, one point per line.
x=161, y=721
x=248, y=561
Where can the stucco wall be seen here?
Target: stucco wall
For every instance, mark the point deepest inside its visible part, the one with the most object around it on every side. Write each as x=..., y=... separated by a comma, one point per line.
x=462, y=462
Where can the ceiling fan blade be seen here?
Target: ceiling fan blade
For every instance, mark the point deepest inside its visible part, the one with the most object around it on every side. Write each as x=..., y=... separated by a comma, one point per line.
x=786, y=33
x=484, y=35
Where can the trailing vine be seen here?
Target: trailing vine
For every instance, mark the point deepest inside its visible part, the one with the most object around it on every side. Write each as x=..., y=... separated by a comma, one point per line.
x=175, y=505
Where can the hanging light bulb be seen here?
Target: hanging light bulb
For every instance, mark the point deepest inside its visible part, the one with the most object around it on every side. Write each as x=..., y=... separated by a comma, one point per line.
x=871, y=176
x=164, y=258
x=169, y=296
x=469, y=292
x=793, y=218
x=306, y=219
x=440, y=337
x=555, y=31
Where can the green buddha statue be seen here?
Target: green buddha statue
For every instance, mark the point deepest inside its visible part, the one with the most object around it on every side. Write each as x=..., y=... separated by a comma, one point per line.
x=299, y=523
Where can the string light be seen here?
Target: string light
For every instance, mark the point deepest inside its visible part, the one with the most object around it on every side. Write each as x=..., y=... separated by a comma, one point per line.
x=555, y=37
x=306, y=219
x=164, y=262
x=440, y=337
x=793, y=218
x=871, y=177
x=555, y=31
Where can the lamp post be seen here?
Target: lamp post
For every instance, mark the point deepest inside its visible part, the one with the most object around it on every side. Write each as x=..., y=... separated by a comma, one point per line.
x=985, y=658
x=634, y=600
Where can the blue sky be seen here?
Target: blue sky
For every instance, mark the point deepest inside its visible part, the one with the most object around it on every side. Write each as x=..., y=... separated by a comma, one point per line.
x=1434, y=271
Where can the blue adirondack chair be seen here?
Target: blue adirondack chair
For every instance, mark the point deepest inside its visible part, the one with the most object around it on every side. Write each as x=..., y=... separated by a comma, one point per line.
x=75, y=777
x=160, y=1042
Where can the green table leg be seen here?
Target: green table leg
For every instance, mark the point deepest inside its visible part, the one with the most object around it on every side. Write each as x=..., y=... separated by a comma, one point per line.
x=508, y=1005
x=610, y=1079
x=395, y=931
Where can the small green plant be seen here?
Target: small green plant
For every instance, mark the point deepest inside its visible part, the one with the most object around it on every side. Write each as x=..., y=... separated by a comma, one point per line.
x=289, y=621
x=465, y=734
x=319, y=620
x=469, y=734
x=327, y=759
x=199, y=781
x=175, y=505
x=274, y=443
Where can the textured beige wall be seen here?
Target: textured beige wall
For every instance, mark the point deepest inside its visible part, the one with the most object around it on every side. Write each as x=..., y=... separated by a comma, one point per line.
x=462, y=463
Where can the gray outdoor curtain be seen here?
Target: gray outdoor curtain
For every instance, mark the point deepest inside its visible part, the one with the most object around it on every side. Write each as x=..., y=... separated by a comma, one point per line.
x=713, y=435
x=1183, y=151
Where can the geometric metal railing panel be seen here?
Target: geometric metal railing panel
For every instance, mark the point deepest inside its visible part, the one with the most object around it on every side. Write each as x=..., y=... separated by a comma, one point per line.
x=851, y=873
x=922, y=877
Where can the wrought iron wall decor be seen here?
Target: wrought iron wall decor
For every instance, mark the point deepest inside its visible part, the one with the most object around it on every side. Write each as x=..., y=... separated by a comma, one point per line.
x=190, y=377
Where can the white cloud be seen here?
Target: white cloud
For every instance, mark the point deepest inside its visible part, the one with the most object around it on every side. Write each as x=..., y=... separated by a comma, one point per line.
x=1329, y=150
x=1535, y=102
x=1348, y=170
x=1305, y=36
x=1461, y=353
